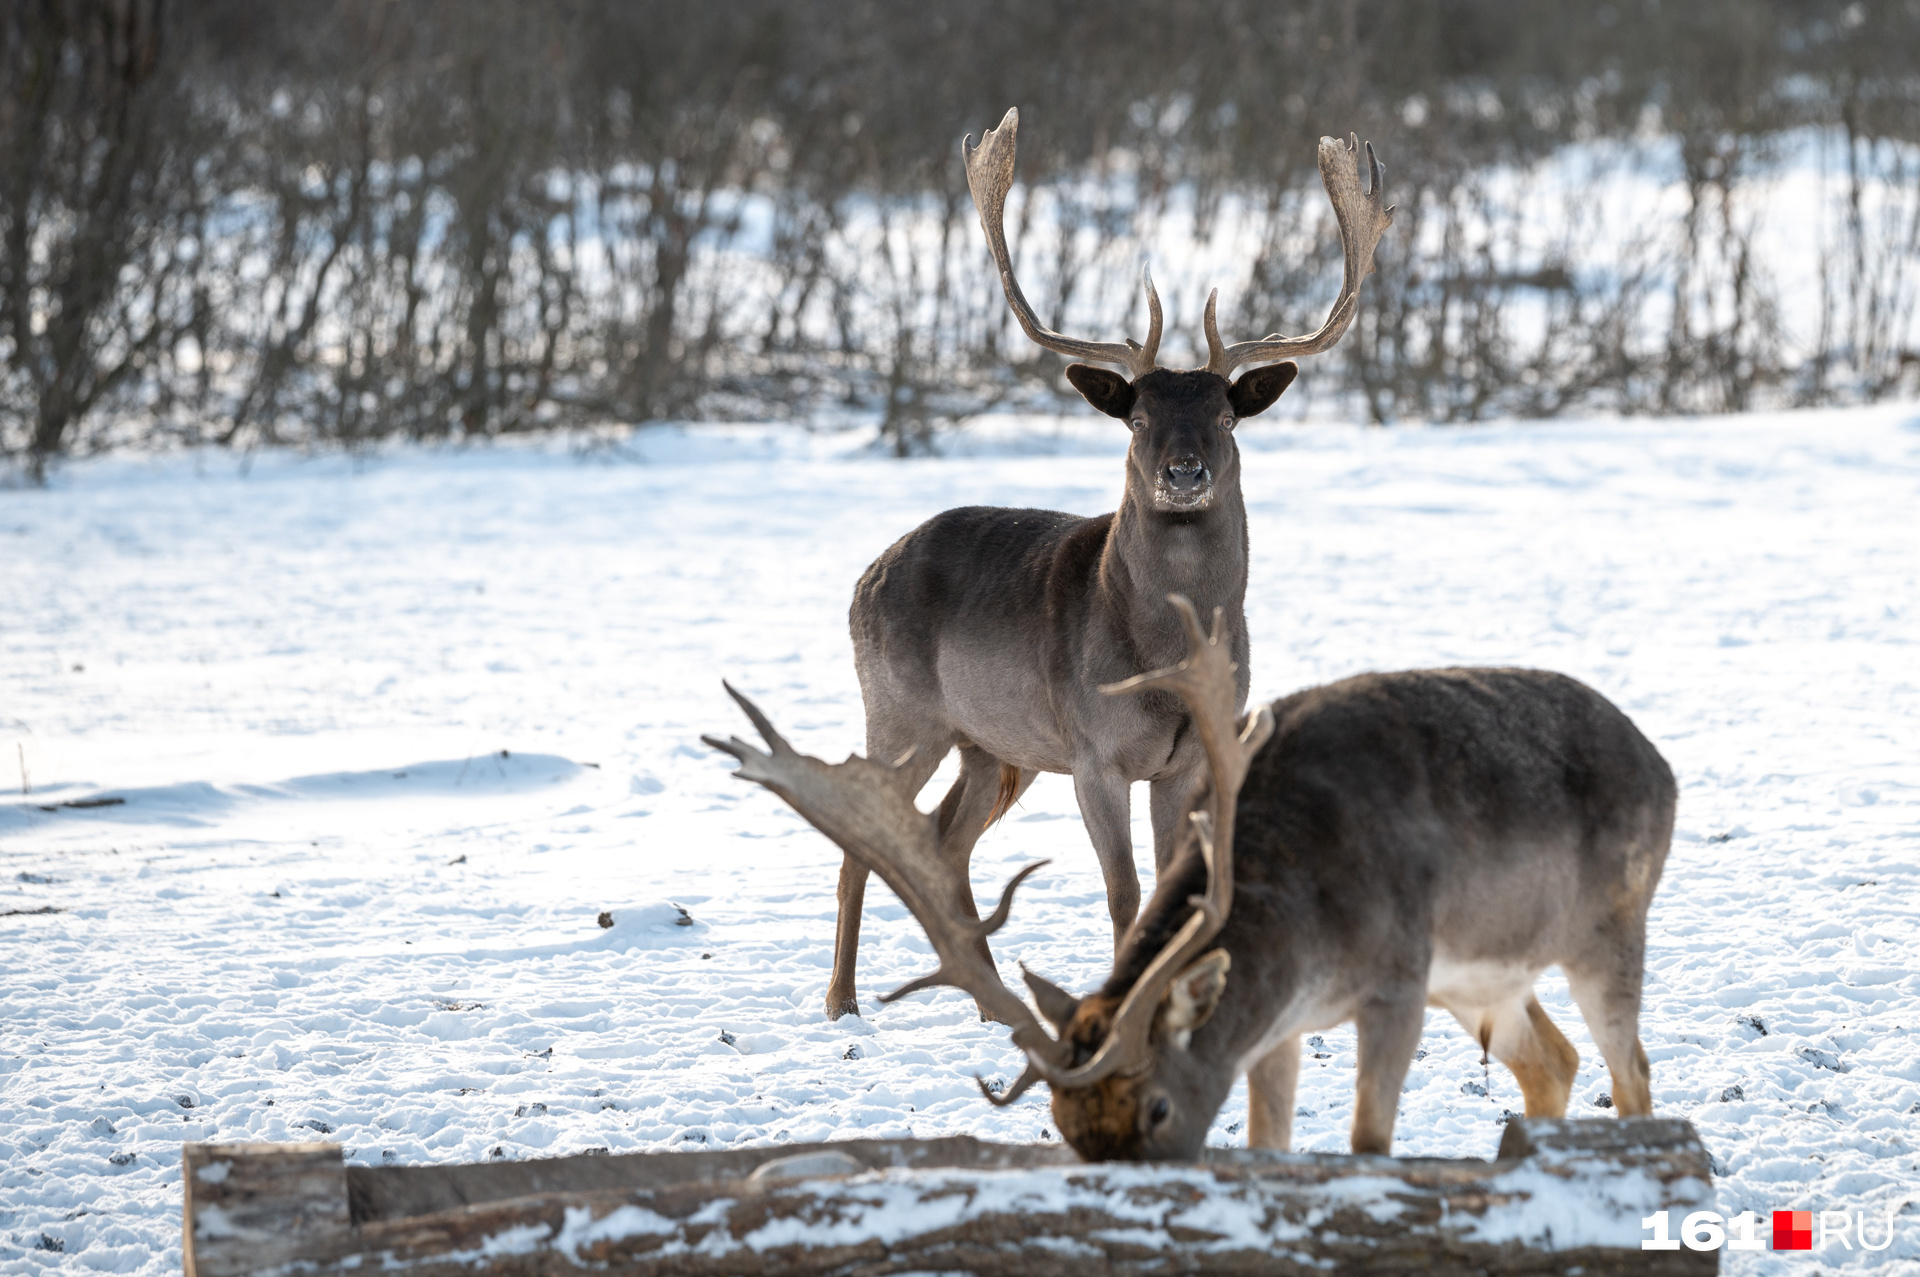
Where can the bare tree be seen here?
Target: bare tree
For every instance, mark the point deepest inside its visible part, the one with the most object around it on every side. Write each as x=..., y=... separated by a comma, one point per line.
x=343, y=220
x=99, y=210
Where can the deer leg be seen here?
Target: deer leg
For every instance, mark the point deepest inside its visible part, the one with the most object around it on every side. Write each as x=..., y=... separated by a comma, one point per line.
x=846, y=939
x=1169, y=799
x=1609, y=1002
x=1542, y=1061
x=1106, y=807
x=1271, y=1084
x=853, y=892
x=1388, y=1029
x=965, y=813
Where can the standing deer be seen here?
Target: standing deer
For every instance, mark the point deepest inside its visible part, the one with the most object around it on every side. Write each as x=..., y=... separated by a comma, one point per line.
x=990, y=629
x=1366, y=849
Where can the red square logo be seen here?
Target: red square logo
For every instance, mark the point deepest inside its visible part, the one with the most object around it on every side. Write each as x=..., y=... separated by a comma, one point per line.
x=1793, y=1230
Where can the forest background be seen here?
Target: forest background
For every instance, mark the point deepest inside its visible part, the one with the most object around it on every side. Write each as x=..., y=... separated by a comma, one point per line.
x=336, y=222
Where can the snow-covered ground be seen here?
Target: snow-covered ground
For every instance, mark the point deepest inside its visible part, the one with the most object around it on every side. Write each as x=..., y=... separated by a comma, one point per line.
x=391, y=734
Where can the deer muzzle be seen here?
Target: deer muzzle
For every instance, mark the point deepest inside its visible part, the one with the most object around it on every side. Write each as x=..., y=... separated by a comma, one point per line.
x=1184, y=484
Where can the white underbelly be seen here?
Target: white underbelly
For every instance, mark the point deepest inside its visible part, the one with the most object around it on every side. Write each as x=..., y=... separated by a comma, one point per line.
x=1458, y=985
x=1452, y=982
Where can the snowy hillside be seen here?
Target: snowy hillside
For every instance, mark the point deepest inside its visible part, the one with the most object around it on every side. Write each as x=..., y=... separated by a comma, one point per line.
x=392, y=734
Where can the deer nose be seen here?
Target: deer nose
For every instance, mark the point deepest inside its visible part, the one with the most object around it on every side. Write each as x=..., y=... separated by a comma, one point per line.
x=1187, y=472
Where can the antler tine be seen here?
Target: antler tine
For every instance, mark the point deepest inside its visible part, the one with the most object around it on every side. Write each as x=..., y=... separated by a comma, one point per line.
x=1028, y=1076
x=1205, y=682
x=971, y=931
x=990, y=177
x=1127, y=1042
x=1363, y=220
x=867, y=809
x=780, y=765
x=1216, y=351
x=1151, y=351
x=760, y=723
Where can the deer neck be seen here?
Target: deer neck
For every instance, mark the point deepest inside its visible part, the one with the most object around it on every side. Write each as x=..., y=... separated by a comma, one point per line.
x=1150, y=555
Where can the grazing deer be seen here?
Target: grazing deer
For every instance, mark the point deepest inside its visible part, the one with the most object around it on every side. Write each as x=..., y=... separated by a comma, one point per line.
x=1366, y=849
x=991, y=629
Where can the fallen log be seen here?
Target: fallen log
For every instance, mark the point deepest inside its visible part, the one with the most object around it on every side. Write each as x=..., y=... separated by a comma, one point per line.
x=1560, y=1197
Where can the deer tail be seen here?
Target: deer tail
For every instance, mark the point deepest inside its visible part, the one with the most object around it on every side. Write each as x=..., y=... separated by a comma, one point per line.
x=1003, y=800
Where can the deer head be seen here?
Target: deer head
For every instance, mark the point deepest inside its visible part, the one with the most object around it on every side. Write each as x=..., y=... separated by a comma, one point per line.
x=1115, y=1064
x=1181, y=420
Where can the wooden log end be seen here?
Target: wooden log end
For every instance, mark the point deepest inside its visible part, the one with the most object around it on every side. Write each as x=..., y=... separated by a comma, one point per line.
x=247, y=1206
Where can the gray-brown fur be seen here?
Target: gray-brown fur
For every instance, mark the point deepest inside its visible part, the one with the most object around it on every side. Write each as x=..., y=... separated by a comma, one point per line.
x=1397, y=827
x=992, y=630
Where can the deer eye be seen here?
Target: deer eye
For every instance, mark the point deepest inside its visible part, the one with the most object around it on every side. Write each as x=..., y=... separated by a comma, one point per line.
x=1138, y=423
x=1226, y=421
x=1157, y=1112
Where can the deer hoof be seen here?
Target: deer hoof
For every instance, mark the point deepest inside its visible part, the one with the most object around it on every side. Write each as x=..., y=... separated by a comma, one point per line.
x=839, y=1006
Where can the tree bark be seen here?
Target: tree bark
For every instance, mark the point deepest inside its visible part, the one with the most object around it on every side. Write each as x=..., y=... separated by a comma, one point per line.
x=1562, y=1196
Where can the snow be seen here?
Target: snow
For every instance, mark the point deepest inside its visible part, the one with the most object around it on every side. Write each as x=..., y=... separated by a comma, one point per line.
x=331, y=906
x=1564, y=1211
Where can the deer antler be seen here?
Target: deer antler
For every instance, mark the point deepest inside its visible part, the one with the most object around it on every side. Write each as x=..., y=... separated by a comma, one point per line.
x=1362, y=221
x=989, y=177
x=1205, y=682
x=867, y=808
x=1360, y=213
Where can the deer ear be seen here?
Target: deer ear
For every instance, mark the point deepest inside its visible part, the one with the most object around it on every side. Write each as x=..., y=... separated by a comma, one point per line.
x=1108, y=391
x=1256, y=391
x=1195, y=993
